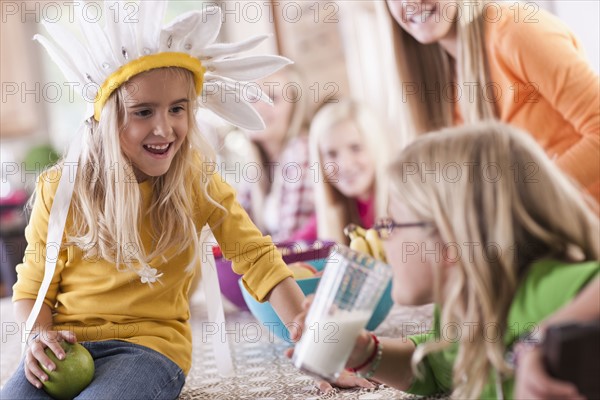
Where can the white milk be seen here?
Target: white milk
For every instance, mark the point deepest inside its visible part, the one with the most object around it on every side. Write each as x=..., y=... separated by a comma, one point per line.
x=327, y=343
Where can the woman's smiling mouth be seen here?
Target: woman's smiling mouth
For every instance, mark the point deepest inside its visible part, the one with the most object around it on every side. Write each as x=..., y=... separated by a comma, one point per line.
x=157, y=149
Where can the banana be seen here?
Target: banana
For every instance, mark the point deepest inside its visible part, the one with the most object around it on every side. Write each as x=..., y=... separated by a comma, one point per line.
x=360, y=230
x=353, y=230
x=365, y=241
x=377, y=250
x=358, y=242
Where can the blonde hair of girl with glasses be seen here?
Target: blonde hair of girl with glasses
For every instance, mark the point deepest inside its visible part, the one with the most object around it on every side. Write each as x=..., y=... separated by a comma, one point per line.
x=348, y=152
x=485, y=226
x=469, y=61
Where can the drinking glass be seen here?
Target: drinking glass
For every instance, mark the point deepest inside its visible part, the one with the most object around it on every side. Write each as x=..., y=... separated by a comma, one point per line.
x=348, y=293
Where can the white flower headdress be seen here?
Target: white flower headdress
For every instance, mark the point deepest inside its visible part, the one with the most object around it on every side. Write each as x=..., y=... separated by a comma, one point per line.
x=111, y=55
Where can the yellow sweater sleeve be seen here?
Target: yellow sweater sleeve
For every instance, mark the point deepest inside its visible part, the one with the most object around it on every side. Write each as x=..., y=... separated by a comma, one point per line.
x=253, y=255
x=544, y=52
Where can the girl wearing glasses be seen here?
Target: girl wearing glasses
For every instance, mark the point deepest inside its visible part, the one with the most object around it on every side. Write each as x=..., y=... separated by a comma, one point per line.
x=500, y=241
x=347, y=168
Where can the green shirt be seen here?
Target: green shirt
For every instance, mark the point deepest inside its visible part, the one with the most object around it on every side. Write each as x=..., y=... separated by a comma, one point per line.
x=547, y=287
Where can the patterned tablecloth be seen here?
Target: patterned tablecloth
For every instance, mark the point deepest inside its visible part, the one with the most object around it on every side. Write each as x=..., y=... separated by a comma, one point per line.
x=262, y=370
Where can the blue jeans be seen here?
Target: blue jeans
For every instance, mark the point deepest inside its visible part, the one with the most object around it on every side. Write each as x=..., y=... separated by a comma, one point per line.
x=123, y=371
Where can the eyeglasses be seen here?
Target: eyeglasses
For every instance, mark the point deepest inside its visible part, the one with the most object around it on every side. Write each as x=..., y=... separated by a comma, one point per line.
x=386, y=226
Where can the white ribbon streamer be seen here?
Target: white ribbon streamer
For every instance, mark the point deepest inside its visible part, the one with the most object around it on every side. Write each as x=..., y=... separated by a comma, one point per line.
x=56, y=227
x=214, y=304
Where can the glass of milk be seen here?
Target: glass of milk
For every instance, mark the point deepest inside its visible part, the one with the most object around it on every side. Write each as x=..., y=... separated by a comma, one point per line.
x=348, y=293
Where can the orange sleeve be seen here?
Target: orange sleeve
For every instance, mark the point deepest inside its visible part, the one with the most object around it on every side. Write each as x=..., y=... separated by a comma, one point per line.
x=546, y=54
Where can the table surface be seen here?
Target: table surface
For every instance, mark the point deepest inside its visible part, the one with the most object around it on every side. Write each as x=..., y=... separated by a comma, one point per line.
x=264, y=372
x=262, y=369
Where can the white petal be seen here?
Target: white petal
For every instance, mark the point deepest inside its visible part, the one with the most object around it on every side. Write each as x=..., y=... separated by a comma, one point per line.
x=98, y=43
x=128, y=24
x=119, y=29
x=255, y=93
x=151, y=16
x=205, y=32
x=251, y=91
x=61, y=59
x=222, y=50
x=172, y=36
x=112, y=29
x=89, y=107
x=229, y=106
x=247, y=68
x=66, y=40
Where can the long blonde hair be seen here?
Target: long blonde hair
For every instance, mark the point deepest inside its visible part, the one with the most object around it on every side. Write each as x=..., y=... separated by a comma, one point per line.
x=334, y=211
x=107, y=202
x=501, y=192
x=429, y=69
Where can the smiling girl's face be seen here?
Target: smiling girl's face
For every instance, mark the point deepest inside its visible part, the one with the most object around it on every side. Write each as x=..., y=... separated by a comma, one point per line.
x=343, y=147
x=156, y=107
x=428, y=21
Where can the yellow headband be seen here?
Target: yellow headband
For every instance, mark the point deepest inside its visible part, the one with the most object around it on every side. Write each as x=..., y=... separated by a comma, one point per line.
x=146, y=63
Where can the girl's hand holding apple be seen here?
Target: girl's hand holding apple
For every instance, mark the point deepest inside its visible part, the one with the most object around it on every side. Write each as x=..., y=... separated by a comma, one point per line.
x=35, y=354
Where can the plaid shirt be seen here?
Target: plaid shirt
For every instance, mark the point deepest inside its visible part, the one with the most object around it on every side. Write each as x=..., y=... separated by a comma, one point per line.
x=289, y=204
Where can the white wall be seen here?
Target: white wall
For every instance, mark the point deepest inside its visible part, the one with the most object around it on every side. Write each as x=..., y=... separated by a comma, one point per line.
x=583, y=17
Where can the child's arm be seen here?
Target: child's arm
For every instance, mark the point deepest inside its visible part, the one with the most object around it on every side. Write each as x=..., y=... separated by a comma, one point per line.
x=394, y=369
x=23, y=309
x=286, y=298
x=42, y=336
x=532, y=379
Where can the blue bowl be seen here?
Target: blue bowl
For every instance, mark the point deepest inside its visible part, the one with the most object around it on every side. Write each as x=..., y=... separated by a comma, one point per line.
x=292, y=252
x=264, y=312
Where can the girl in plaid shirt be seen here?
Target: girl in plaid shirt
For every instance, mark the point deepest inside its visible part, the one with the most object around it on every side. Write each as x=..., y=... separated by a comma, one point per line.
x=279, y=196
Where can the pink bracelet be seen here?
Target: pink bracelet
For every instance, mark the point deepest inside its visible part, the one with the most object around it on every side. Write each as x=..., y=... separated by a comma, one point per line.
x=525, y=343
x=371, y=357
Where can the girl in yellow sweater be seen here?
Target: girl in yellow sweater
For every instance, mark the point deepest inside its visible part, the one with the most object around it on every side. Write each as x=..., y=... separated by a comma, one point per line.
x=115, y=272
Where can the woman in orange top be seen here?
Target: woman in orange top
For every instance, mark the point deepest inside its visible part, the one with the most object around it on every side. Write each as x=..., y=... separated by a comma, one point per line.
x=464, y=61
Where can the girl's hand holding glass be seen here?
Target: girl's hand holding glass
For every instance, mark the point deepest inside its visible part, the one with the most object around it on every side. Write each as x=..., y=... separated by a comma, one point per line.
x=346, y=379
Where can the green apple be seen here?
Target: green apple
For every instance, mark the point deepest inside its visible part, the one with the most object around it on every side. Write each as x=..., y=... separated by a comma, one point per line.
x=72, y=374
